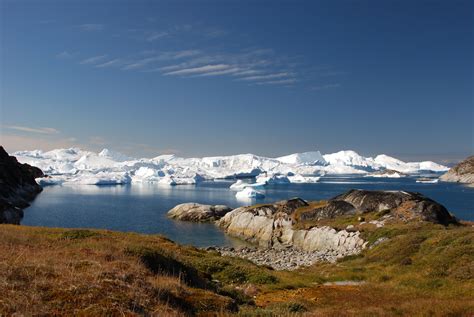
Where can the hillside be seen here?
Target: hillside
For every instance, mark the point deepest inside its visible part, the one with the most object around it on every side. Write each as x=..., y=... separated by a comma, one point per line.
x=420, y=269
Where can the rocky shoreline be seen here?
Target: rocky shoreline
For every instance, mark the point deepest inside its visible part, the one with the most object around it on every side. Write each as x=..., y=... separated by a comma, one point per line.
x=463, y=172
x=279, y=259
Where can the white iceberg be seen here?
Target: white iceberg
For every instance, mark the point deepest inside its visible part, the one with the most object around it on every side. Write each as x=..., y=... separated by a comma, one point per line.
x=386, y=175
x=249, y=192
x=303, y=179
x=74, y=165
x=101, y=178
x=240, y=185
x=115, y=156
x=272, y=179
x=306, y=158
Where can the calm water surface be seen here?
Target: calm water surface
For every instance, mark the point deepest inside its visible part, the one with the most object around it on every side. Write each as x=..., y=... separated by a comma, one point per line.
x=142, y=207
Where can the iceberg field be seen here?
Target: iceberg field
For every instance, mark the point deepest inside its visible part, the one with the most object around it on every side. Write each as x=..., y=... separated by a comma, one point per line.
x=76, y=166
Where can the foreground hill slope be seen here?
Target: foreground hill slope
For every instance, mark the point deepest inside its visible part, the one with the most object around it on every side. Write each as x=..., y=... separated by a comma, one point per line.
x=415, y=268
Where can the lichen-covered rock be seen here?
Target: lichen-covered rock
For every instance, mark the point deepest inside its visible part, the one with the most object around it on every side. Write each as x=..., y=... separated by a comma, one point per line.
x=17, y=187
x=401, y=204
x=197, y=212
x=272, y=226
x=328, y=210
x=461, y=173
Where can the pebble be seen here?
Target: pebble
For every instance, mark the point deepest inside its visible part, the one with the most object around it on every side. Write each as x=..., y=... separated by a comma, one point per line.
x=280, y=259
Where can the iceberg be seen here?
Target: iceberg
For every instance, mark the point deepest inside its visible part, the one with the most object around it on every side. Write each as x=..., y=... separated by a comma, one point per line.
x=101, y=178
x=240, y=185
x=249, y=192
x=115, y=156
x=273, y=179
x=306, y=158
x=76, y=166
x=304, y=179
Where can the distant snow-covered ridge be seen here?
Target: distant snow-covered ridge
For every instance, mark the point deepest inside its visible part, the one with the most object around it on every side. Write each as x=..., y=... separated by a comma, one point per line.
x=77, y=166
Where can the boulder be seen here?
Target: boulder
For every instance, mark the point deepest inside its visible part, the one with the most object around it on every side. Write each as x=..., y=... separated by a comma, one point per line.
x=271, y=226
x=401, y=204
x=461, y=173
x=328, y=210
x=17, y=187
x=197, y=212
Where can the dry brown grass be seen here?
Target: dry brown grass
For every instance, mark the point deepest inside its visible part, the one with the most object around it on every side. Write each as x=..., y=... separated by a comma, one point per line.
x=45, y=271
x=422, y=270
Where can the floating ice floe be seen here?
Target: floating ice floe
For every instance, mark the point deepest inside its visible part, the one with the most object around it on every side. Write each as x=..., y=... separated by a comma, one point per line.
x=386, y=175
x=240, y=185
x=249, y=192
x=303, y=179
x=427, y=180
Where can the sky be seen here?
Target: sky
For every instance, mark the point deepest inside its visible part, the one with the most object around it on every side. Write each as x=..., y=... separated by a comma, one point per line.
x=202, y=78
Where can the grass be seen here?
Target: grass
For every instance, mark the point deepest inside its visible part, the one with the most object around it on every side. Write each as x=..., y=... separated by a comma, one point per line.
x=421, y=270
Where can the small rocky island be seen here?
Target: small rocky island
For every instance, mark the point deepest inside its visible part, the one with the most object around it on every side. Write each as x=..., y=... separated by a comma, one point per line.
x=294, y=232
x=17, y=187
x=461, y=173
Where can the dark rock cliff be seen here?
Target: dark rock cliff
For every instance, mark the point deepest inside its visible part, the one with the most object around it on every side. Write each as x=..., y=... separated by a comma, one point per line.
x=17, y=187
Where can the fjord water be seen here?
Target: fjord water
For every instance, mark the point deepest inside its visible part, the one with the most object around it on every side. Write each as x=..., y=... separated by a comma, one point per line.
x=142, y=207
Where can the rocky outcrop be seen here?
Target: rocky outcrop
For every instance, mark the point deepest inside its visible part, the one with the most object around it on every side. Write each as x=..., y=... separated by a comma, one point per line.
x=461, y=173
x=197, y=212
x=401, y=204
x=272, y=226
x=326, y=210
x=17, y=187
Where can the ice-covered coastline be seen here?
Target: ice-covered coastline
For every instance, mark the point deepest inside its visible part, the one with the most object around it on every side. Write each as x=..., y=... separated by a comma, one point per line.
x=76, y=166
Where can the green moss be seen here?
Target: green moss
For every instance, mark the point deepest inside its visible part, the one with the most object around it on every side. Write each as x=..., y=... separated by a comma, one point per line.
x=78, y=234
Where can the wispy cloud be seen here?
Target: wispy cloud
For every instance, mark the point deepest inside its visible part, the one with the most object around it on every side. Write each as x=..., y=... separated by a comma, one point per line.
x=42, y=130
x=199, y=70
x=114, y=62
x=90, y=27
x=220, y=72
x=265, y=77
x=64, y=55
x=156, y=35
x=279, y=82
x=248, y=72
x=140, y=63
x=93, y=60
x=252, y=65
x=163, y=56
x=325, y=87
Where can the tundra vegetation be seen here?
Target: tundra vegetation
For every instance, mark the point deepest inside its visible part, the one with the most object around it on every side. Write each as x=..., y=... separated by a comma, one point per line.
x=414, y=268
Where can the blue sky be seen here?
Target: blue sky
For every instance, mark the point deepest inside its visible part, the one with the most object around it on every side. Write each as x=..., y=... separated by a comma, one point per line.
x=224, y=77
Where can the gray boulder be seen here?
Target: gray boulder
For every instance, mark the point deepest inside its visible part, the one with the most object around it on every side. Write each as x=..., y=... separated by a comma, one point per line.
x=329, y=210
x=401, y=204
x=198, y=213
